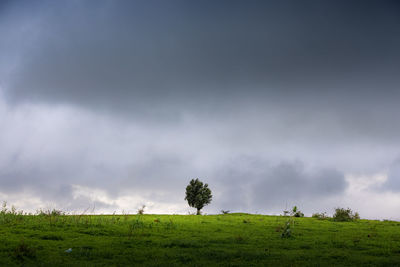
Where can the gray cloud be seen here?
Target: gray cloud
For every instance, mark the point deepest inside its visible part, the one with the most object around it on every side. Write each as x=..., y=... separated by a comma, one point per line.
x=137, y=57
x=312, y=66
x=240, y=183
x=257, y=185
x=393, y=178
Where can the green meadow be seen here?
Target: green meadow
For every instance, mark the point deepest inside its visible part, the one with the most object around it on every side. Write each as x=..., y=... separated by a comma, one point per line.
x=191, y=240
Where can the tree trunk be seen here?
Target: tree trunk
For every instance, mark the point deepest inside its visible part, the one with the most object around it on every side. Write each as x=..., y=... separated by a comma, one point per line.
x=198, y=212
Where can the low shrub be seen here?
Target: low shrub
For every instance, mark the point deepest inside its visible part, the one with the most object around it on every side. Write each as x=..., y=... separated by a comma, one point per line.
x=345, y=215
x=296, y=213
x=53, y=212
x=320, y=216
x=141, y=210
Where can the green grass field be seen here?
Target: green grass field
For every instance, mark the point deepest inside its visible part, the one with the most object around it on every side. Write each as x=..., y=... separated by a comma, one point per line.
x=190, y=240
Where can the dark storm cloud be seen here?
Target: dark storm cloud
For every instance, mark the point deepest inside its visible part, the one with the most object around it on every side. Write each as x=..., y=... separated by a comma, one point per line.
x=159, y=58
x=328, y=67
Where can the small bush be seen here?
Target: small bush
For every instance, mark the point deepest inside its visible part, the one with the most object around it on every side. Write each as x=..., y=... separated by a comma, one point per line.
x=296, y=213
x=53, y=212
x=345, y=215
x=141, y=210
x=320, y=216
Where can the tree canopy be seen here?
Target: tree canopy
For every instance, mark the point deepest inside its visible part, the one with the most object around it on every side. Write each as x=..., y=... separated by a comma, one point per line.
x=198, y=194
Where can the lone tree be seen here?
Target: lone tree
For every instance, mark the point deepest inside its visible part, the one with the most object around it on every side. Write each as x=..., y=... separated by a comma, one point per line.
x=198, y=195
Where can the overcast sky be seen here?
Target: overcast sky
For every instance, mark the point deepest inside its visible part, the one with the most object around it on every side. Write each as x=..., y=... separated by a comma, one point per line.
x=109, y=105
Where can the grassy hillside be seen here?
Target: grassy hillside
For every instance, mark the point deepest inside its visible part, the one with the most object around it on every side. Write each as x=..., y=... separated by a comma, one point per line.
x=190, y=240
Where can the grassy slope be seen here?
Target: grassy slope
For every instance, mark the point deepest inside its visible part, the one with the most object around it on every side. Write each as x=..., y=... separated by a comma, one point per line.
x=231, y=240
